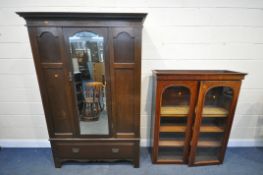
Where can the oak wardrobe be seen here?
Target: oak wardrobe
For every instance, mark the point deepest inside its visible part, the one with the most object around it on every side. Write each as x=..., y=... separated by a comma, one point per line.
x=89, y=69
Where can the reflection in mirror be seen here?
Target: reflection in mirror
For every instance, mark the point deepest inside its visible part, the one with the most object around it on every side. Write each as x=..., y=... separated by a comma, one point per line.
x=87, y=55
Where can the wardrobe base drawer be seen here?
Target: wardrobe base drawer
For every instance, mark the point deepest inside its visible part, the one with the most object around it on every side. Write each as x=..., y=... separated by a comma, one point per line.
x=93, y=151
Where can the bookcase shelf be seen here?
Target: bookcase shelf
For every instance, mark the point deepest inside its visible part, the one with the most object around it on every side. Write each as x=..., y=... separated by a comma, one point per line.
x=211, y=129
x=176, y=111
x=171, y=143
x=172, y=128
x=209, y=143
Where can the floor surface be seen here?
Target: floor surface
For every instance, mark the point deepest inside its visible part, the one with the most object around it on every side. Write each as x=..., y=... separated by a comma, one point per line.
x=38, y=161
x=100, y=127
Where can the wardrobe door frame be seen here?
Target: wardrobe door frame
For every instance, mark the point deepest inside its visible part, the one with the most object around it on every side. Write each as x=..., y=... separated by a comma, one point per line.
x=161, y=87
x=133, y=32
x=34, y=32
x=102, y=31
x=205, y=86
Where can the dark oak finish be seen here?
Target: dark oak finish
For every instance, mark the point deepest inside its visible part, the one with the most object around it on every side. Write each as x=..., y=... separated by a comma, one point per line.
x=199, y=83
x=49, y=33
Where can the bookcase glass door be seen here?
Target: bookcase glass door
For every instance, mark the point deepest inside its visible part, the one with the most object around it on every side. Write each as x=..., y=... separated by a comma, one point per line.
x=174, y=112
x=214, y=117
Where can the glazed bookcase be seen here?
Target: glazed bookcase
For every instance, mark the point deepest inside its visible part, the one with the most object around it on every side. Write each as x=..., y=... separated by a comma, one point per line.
x=192, y=115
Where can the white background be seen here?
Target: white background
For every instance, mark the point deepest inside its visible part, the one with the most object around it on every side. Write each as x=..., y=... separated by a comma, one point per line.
x=177, y=34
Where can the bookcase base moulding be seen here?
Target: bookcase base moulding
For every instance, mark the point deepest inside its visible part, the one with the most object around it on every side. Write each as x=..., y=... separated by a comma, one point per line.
x=192, y=115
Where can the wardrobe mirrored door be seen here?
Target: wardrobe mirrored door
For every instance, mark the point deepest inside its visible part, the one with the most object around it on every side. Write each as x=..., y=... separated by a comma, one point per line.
x=87, y=57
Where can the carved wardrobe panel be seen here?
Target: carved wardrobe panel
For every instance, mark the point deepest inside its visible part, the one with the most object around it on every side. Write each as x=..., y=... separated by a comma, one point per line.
x=126, y=82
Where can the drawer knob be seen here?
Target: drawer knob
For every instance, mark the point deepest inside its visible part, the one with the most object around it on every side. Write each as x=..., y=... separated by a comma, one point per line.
x=115, y=150
x=75, y=150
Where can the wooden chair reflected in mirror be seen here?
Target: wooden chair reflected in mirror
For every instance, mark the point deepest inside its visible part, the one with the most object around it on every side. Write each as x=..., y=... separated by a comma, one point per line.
x=93, y=102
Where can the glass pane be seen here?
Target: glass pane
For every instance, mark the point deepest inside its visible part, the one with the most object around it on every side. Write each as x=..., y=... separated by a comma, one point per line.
x=174, y=114
x=170, y=154
x=214, y=117
x=87, y=56
x=206, y=154
x=175, y=101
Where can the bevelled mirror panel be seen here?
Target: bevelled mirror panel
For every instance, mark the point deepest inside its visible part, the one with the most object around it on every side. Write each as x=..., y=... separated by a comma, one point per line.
x=88, y=61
